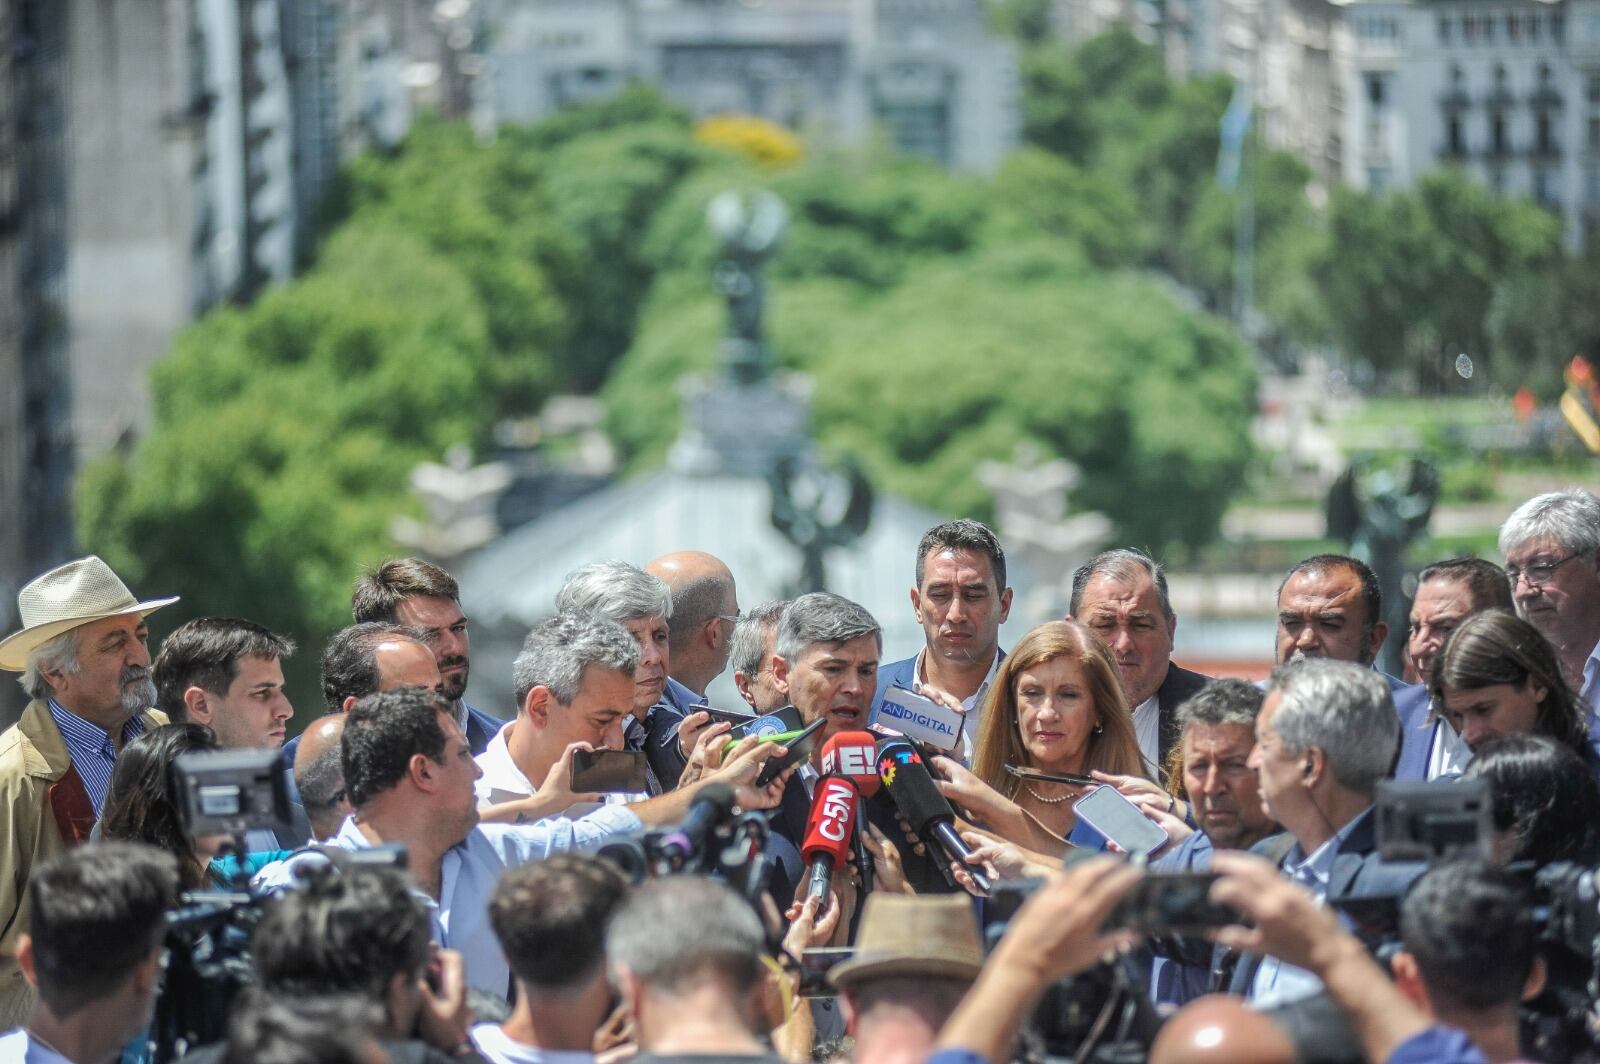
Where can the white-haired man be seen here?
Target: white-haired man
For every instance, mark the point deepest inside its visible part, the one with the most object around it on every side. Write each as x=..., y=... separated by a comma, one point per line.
x=85, y=664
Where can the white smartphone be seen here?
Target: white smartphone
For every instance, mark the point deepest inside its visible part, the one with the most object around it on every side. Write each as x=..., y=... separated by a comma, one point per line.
x=1112, y=815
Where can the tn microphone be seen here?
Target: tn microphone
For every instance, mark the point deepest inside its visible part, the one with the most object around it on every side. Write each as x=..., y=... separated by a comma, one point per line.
x=828, y=831
x=915, y=794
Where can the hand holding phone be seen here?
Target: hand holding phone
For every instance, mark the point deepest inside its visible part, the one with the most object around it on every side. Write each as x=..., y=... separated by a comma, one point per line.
x=1071, y=779
x=608, y=771
x=1172, y=902
x=1120, y=821
x=798, y=750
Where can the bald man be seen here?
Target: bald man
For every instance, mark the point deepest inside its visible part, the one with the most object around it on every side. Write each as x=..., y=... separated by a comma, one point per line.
x=1221, y=1029
x=705, y=607
x=319, y=776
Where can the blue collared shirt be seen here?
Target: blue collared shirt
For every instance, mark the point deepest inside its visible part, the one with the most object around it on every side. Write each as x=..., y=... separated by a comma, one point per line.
x=468, y=874
x=91, y=749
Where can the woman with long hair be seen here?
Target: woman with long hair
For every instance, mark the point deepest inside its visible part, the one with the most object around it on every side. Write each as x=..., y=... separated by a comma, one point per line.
x=1056, y=706
x=1545, y=809
x=1497, y=676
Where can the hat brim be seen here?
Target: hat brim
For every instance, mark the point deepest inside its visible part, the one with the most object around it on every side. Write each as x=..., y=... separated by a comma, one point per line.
x=883, y=966
x=14, y=650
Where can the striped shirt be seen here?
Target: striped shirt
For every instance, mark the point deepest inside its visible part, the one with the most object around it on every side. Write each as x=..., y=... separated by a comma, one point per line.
x=91, y=750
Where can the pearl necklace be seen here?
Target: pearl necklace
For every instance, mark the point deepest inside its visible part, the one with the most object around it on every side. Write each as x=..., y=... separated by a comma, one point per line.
x=1043, y=800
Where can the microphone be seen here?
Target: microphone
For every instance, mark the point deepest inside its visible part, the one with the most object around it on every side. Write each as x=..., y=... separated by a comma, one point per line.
x=828, y=830
x=712, y=804
x=911, y=785
x=853, y=755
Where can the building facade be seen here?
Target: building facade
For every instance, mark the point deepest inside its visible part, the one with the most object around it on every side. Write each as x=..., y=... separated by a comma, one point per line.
x=925, y=74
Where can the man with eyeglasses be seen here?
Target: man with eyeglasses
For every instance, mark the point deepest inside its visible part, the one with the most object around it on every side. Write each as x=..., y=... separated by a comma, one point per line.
x=705, y=609
x=1552, y=549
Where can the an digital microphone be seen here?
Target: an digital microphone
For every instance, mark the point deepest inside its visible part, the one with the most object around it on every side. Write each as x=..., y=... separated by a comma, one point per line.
x=712, y=804
x=853, y=755
x=828, y=831
x=915, y=794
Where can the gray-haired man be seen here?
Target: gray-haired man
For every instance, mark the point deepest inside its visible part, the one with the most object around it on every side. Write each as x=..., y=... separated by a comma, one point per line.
x=1552, y=549
x=642, y=604
x=574, y=681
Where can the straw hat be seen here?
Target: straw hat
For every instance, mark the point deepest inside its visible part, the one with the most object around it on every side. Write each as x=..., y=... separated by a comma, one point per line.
x=64, y=598
x=901, y=935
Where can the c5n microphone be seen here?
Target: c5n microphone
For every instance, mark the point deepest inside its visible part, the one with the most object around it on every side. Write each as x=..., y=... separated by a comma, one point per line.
x=915, y=794
x=828, y=831
x=854, y=755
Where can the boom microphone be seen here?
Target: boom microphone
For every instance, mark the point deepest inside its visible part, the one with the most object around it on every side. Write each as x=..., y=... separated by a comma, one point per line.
x=828, y=830
x=917, y=797
x=853, y=755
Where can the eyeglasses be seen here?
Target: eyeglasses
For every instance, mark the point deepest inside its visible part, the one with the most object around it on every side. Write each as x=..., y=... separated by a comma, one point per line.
x=1539, y=573
x=733, y=618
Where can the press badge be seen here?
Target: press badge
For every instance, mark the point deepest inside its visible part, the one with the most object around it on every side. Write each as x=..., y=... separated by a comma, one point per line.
x=920, y=718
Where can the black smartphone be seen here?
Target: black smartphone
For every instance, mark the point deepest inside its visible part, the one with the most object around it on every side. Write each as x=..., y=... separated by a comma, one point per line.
x=1070, y=778
x=799, y=750
x=1172, y=902
x=740, y=721
x=606, y=771
x=815, y=964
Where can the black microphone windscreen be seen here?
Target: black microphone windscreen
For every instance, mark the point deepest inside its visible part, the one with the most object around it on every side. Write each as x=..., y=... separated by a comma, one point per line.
x=911, y=785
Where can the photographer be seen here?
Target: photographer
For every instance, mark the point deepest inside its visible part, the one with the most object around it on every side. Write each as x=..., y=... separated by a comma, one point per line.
x=92, y=953
x=362, y=933
x=409, y=775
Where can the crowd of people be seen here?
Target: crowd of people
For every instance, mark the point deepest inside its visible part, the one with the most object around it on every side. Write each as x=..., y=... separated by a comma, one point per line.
x=502, y=926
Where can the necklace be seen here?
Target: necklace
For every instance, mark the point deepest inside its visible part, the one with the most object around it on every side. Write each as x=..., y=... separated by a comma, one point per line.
x=1041, y=798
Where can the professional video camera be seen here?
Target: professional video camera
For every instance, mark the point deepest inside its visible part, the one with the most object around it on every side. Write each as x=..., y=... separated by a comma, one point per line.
x=712, y=840
x=234, y=793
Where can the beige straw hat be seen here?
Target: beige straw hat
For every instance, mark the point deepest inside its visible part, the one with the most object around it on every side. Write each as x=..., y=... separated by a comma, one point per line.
x=64, y=598
x=924, y=935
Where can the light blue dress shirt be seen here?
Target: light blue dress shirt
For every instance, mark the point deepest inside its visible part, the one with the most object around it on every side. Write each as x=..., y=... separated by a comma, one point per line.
x=1277, y=983
x=468, y=874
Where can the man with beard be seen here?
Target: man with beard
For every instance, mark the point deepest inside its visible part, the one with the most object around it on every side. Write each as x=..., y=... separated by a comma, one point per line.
x=85, y=664
x=425, y=598
x=961, y=600
x=1121, y=596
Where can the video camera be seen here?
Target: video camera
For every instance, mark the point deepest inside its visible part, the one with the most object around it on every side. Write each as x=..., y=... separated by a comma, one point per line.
x=713, y=839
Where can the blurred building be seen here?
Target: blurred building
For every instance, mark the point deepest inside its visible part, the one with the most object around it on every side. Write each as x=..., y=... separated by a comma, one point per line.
x=927, y=74
x=1509, y=92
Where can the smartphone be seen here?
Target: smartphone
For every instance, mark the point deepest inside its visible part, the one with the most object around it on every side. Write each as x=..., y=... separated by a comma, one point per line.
x=1172, y=902
x=815, y=964
x=1119, y=820
x=799, y=750
x=607, y=771
x=1071, y=778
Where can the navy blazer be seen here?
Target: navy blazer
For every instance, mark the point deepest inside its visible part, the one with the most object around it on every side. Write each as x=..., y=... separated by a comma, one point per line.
x=1357, y=870
x=1416, y=732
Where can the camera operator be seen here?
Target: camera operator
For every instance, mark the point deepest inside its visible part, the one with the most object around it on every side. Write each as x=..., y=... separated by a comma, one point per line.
x=686, y=955
x=1326, y=735
x=92, y=952
x=361, y=932
x=1290, y=924
x=1546, y=805
x=409, y=774
x=1470, y=953
x=551, y=919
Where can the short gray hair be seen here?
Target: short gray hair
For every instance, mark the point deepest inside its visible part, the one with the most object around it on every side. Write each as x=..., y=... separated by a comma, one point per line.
x=822, y=617
x=1343, y=709
x=1225, y=701
x=616, y=590
x=56, y=654
x=751, y=635
x=557, y=651
x=1571, y=518
x=1120, y=564
x=673, y=931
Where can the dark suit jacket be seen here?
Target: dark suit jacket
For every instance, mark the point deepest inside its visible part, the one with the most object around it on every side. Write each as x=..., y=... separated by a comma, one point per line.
x=661, y=728
x=1356, y=871
x=1416, y=732
x=481, y=727
x=1180, y=684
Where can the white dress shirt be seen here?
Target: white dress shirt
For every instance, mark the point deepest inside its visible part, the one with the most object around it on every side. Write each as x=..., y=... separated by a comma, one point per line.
x=1448, y=753
x=503, y=781
x=19, y=1047
x=1147, y=729
x=468, y=874
x=1589, y=694
x=973, y=703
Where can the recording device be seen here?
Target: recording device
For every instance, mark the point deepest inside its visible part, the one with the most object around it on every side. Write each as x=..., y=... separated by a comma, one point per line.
x=917, y=797
x=230, y=792
x=920, y=718
x=608, y=772
x=815, y=964
x=829, y=829
x=740, y=721
x=1071, y=779
x=799, y=748
x=853, y=755
x=1120, y=821
x=712, y=839
x=1434, y=821
x=712, y=805
x=1172, y=903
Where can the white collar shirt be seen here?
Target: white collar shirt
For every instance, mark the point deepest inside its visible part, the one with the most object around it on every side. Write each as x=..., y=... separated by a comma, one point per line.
x=1589, y=694
x=503, y=781
x=17, y=1046
x=468, y=874
x=1147, y=729
x=973, y=703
